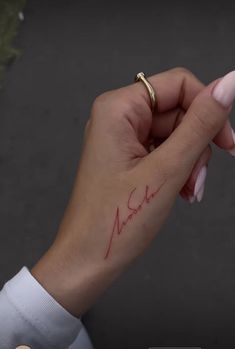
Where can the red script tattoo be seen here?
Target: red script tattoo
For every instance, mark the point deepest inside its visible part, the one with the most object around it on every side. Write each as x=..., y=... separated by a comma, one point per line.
x=120, y=223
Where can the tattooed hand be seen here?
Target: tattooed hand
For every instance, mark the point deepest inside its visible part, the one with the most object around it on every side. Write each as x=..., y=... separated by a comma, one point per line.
x=123, y=192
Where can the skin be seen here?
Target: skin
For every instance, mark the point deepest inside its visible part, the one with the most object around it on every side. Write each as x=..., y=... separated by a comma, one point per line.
x=123, y=193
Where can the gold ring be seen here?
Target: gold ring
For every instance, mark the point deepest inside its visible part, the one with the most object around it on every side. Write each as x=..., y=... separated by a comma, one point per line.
x=141, y=77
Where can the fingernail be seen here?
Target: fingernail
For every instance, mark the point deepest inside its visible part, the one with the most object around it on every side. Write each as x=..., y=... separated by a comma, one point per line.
x=232, y=150
x=200, y=184
x=200, y=193
x=224, y=91
x=192, y=199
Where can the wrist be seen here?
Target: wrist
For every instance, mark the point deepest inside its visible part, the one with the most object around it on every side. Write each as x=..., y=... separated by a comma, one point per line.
x=74, y=284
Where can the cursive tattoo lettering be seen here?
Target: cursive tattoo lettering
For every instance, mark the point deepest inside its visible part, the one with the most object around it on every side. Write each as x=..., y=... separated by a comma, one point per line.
x=133, y=210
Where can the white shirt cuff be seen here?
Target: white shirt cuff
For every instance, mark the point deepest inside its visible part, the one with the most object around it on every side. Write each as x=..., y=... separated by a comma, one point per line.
x=28, y=303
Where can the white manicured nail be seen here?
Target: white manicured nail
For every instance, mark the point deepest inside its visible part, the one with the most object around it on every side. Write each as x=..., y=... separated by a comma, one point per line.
x=224, y=91
x=200, y=193
x=200, y=183
x=192, y=199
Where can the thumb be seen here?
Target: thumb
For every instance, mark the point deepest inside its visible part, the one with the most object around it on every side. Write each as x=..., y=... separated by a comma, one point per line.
x=203, y=120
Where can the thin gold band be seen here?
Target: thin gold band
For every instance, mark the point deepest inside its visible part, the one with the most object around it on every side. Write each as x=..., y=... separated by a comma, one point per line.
x=141, y=77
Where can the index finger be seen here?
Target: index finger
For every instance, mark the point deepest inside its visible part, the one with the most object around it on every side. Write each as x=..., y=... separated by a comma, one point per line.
x=175, y=87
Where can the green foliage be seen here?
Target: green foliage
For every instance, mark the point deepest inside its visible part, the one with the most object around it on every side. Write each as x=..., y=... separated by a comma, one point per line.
x=9, y=23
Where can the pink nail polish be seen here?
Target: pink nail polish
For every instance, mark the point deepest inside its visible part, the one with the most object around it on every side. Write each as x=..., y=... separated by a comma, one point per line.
x=192, y=199
x=232, y=150
x=224, y=91
x=200, y=193
x=200, y=184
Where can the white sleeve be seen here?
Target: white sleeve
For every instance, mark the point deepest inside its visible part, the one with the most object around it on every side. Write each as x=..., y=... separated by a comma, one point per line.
x=30, y=316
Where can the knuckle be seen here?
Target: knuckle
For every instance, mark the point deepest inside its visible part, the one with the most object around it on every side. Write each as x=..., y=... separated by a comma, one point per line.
x=101, y=105
x=115, y=104
x=100, y=100
x=182, y=71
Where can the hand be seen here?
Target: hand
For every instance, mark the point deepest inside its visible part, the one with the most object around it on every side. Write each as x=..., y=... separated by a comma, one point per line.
x=123, y=193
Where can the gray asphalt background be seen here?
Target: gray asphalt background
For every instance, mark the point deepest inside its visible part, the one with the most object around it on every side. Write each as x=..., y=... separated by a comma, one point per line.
x=182, y=292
